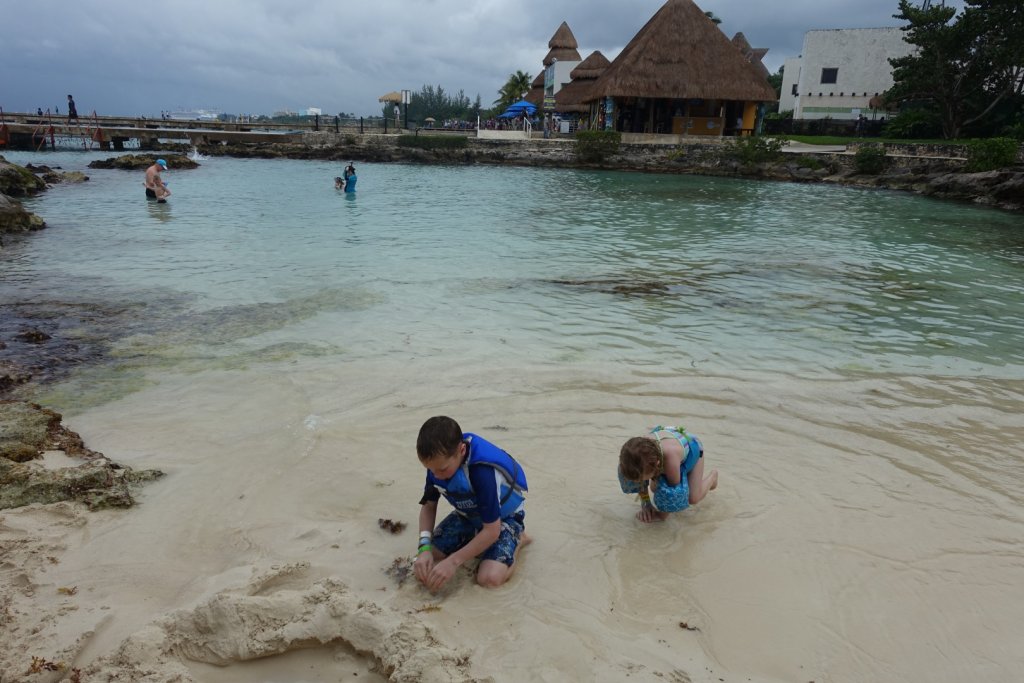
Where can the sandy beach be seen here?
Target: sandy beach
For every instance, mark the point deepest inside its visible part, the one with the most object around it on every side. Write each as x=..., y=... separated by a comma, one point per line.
x=259, y=557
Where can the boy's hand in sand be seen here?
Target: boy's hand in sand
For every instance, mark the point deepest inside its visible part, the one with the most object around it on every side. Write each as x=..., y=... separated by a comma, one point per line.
x=441, y=573
x=422, y=566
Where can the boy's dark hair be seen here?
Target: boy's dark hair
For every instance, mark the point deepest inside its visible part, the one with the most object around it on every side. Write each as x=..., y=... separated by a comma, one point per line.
x=440, y=435
x=638, y=455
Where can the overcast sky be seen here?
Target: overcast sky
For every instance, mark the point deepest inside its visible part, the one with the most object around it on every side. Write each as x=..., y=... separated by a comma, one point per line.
x=260, y=56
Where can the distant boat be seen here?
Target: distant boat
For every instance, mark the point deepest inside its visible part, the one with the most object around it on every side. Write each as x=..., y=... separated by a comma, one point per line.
x=195, y=115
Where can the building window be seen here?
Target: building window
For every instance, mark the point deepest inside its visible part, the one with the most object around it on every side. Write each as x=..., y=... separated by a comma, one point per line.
x=794, y=89
x=829, y=75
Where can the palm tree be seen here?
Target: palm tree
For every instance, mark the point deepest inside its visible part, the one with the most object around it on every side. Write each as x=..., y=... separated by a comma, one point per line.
x=515, y=88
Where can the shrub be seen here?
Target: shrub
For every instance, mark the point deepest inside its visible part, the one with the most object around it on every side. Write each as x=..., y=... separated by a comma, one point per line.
x=433, y=141
x=870, y=159
x=988, y=155
x=1015, y=131
x=594, y=146
x=914, y=124
x=754, y=149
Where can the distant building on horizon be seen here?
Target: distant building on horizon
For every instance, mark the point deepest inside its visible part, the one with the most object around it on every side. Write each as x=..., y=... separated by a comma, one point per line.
x=311, y=111
x=840, y=72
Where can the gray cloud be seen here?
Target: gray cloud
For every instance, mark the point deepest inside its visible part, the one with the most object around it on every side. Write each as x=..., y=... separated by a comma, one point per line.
x=259, y=56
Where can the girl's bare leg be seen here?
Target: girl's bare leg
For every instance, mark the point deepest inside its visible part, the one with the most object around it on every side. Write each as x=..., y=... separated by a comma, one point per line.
x=699, y=486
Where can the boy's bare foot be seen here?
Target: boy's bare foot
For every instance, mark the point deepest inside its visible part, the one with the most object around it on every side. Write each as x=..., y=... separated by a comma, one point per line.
x=714, y=480
x=525, y=539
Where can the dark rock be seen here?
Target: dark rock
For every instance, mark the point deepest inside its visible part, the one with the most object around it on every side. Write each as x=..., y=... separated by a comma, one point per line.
x=12, y=376
x=56, y=177
x=17, y=181
x=132, y=162
x=32, y=336
x=14, y=218
x=27, y=430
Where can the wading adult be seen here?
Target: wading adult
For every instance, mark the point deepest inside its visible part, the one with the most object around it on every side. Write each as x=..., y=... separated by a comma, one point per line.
x=156, y=188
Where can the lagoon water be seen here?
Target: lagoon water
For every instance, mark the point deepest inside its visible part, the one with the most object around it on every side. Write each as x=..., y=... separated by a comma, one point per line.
x=853, y=361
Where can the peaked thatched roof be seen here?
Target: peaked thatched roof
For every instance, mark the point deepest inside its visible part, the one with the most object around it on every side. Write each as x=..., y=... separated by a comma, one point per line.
x=561, y=54
x=681, y=54
x=563, y=38
x=573, y=94
x=563, y=46
x=536, y=94
x=591, y=67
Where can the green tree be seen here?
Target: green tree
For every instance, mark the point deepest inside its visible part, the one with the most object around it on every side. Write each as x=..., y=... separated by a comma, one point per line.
x=713, y=18
x=775, y=80
x=964, y=67
x=515, y=89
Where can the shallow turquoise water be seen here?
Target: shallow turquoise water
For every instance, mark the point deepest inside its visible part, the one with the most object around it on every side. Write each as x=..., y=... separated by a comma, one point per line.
x=518, y=265
x=852, y=360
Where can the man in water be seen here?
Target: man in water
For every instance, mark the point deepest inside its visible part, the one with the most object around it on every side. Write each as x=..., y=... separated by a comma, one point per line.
x=156, y=188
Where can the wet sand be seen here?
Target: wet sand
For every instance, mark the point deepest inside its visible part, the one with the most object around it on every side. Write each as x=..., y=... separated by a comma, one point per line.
x=863, y=529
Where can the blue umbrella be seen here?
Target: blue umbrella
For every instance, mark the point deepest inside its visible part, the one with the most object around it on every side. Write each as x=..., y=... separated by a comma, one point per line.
x=521, y=107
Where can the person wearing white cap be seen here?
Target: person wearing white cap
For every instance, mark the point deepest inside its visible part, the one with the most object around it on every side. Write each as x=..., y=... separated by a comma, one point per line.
x=156, y=188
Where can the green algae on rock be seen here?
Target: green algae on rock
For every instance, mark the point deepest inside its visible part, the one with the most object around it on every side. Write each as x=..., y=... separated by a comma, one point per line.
x=27, y=432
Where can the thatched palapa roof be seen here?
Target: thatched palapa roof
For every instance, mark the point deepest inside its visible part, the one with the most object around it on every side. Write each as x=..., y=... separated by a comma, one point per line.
x=754, y=55
x=573, y=94
x=591, y=67
x=563, y=37
x=681, y=54
x=536, y=94
x=563, y=46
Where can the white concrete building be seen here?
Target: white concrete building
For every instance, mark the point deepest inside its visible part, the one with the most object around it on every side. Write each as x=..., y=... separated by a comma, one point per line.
x=556, y=75
x=839, y=71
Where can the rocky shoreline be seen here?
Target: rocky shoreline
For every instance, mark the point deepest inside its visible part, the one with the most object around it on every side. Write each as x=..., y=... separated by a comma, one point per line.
x=41, y=460
x=929, y=170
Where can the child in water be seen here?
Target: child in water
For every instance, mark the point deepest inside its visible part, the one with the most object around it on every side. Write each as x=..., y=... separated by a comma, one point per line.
x=486, y=487
x=666, y=467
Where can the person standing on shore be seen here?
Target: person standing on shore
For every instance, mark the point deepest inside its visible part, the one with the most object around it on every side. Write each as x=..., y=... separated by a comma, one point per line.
x=72, y=110
x=156, y=188
x=486, y=486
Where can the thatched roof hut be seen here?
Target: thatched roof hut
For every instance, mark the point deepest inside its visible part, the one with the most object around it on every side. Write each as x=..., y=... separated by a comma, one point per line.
x=536, y=94
x=681, y=54
x=571, y=98
x=563, y=46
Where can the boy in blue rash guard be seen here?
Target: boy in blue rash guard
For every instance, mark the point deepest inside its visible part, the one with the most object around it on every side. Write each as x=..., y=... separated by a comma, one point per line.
x=669, y=461
x=485, y=485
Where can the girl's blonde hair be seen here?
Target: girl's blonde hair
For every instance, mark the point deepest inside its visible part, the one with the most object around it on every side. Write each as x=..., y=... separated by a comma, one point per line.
x=638, y=456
